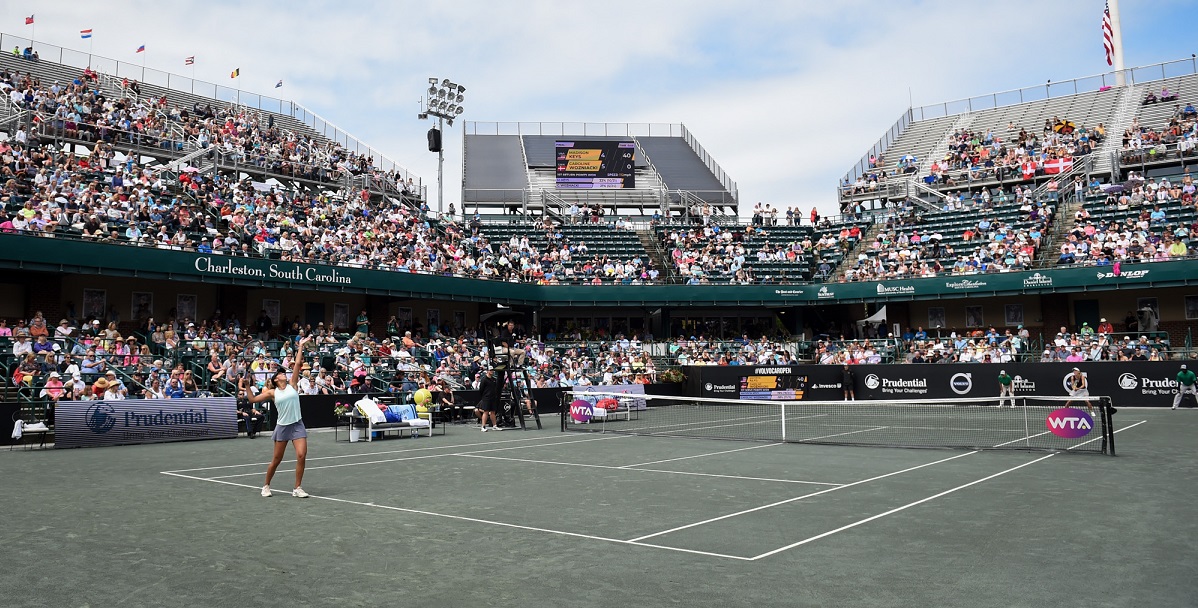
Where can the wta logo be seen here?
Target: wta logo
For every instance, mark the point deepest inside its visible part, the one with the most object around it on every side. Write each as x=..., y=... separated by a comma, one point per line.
x=1070, y=423
x=581, y=410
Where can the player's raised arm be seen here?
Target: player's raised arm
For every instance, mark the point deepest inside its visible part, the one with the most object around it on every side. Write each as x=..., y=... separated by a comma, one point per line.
x=298, y=365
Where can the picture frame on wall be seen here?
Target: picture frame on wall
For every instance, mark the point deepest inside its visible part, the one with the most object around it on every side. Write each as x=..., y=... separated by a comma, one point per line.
x=974, y=317
x=274, y=310
x=1013, y=314
x=459, y=321
x=936, y=318
x=404, y=316
x=95, y=304
x=432, y=320
x=1191, y=308
x=340, y=316
x=141, y=306
x=185, y=307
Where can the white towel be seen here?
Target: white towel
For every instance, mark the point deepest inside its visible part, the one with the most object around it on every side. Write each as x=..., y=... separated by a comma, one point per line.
x=18, y=429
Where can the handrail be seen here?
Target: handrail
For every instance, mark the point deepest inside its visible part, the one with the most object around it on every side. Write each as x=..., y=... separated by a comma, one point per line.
x=1085, y=84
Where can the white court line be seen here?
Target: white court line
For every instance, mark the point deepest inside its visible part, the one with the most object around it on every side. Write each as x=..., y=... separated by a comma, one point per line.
x=600, y=466
x=477, y=520
x=876, y=428
x=755, y=447
x=1023, y=439
x=921, y=501
x=384, y=461
x=797, y=498
x=438, y=447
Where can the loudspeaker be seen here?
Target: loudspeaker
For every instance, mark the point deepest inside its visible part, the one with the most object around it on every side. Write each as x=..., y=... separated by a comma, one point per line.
x=434, y=140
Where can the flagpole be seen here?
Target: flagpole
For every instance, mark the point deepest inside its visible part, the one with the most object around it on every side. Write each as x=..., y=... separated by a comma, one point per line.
x=1117, y=41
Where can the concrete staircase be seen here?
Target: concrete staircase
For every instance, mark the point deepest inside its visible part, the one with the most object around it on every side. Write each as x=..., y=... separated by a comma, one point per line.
x=657, y=255
x=1125, y=112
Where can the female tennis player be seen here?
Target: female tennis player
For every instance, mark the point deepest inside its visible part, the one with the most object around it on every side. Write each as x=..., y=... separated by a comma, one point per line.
x=290, y=426
x=1079, y=388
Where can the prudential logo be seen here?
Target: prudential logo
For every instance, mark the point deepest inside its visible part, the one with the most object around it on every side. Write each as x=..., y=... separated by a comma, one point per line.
x=100, y=418
x=1128, y=382
x=872, y=382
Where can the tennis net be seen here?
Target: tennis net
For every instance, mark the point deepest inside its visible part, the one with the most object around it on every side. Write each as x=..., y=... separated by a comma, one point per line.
x=1018, y=423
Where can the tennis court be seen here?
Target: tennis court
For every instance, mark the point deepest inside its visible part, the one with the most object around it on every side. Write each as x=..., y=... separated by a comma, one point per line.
x=545, y=518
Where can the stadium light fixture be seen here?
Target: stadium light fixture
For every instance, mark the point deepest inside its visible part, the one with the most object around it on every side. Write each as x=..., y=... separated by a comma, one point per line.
x=444, y=102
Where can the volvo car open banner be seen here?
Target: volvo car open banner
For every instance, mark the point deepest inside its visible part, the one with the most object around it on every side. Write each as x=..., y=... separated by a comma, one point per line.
x=85, y=424
x=1128, y=384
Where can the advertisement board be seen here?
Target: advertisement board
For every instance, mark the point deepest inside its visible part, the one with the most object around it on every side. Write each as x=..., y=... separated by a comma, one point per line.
x=85, y=424
x=1128, y=384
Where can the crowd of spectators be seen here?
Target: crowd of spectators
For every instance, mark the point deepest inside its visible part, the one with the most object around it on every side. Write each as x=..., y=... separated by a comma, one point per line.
x=911, y=244
x=82, y=110
x=724, y=253
x=1148, y=229
x=1144, y=143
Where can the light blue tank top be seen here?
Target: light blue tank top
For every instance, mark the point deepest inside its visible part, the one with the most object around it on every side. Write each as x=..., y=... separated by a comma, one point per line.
x=287, y=401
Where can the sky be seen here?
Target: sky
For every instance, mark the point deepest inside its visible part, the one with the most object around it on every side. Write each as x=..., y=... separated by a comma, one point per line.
x=786, y=96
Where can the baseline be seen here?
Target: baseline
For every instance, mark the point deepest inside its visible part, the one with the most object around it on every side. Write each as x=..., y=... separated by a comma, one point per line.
x=386, y=460
x=436, y=447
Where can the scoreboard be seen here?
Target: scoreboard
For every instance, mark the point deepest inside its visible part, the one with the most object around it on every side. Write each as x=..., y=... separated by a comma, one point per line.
x=773, y=387
x=596, y=164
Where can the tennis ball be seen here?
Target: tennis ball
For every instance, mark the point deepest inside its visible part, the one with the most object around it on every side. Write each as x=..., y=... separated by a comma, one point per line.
x=422, y=397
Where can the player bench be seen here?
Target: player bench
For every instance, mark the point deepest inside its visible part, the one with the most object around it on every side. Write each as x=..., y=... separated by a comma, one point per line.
x=370, y=425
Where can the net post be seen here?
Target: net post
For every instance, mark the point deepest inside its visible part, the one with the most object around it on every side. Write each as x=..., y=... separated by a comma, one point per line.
x=1108, y=430
x=564, y=406
x=784, y=421
x=1027, y=429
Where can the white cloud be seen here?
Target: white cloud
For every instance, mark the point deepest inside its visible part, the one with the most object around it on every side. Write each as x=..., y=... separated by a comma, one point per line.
x=785, y=95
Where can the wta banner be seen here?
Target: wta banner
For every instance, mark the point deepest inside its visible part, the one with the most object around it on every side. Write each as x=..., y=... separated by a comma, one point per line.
x=1128, y=384
x=86, y=424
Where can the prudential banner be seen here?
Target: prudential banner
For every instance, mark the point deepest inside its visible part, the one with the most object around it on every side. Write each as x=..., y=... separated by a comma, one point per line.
x=80, y=424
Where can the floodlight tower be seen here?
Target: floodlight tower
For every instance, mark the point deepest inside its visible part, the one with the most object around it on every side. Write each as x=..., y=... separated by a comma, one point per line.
x=444, y=101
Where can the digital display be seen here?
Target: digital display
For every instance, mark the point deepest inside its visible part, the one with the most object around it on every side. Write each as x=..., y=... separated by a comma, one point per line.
x=777, y=388
x=596, y=164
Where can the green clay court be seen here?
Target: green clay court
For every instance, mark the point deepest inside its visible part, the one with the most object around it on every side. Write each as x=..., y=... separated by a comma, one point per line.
x=545, y=518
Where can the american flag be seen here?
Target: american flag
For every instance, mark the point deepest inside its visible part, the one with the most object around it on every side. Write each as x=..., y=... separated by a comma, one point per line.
x=29, y=20
x=1108, y=36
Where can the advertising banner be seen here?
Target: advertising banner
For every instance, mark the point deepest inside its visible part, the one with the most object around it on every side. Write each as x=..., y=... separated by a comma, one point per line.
x=1128, y=384
x=79, y=424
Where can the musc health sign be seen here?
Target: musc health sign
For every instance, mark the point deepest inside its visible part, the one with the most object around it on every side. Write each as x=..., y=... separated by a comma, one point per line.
x=99, y=423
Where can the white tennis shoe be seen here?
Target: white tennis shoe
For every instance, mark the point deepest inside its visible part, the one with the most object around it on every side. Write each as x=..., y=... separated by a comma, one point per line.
x=266, y=492
x=299, y=493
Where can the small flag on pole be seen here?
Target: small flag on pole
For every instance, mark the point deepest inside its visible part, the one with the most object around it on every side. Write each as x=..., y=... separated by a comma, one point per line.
x=235, y=73
x=141, y=49
x=1108, y=35
x=85, y=34
x=29, y=20
x=190, y=60
x=278, y=84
